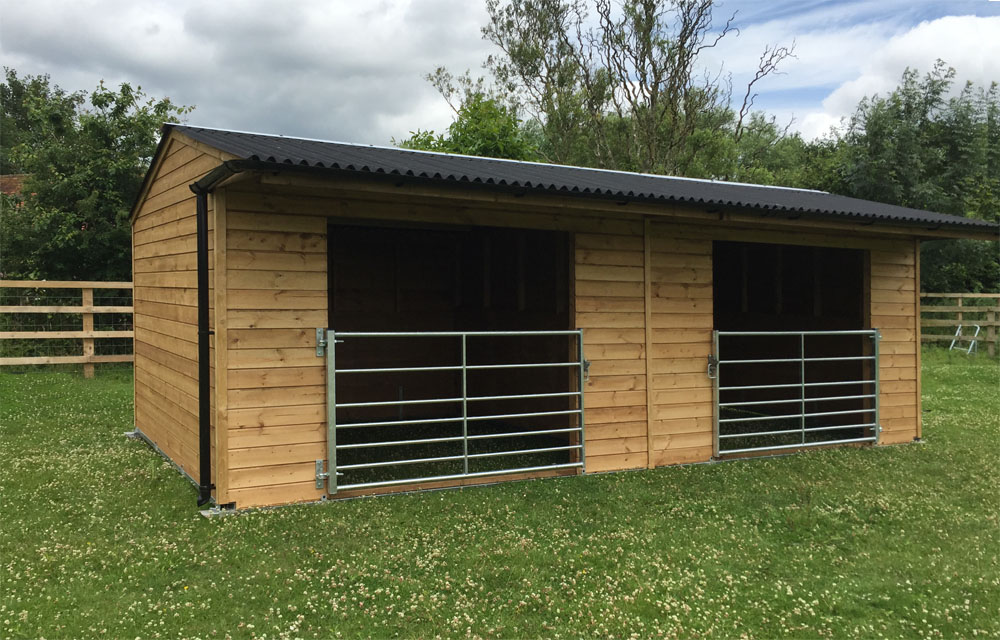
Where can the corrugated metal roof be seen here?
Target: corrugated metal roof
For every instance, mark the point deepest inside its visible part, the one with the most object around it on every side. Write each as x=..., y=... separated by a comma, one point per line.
x=563, y=180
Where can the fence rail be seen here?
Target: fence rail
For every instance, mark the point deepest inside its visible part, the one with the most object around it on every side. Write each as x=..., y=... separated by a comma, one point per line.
x=942, y=313
x=87, y=334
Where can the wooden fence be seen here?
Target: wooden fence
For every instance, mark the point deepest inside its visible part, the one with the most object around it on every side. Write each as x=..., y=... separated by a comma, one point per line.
x=942, y=313
x=87, y=309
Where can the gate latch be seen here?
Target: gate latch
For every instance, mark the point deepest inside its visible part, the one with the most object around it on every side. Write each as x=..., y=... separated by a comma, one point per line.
x=713, y=367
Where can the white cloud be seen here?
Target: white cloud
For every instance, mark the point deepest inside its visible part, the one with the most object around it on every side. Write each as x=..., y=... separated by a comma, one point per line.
x=354, y=71
x=345, y=71
x=970, y=44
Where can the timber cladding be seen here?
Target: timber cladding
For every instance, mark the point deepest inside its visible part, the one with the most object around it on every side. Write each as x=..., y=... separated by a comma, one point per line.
x=641, y=289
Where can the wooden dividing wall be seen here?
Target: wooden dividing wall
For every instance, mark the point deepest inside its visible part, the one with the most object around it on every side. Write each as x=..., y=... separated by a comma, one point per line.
x=894, y=310
x=276, y=385
x=610, y=308
x=680, y=290
x=164, y=256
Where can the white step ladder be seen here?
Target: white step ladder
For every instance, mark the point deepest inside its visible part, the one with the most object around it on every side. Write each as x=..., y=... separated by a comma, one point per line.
x=973, y=340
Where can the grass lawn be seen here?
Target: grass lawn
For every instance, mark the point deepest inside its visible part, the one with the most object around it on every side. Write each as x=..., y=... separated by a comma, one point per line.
x=99, y=536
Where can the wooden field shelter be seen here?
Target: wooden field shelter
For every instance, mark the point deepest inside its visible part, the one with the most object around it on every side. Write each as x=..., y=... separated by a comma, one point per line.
x=320, y=320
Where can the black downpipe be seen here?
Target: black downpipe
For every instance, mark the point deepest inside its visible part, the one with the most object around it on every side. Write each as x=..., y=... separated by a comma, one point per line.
x=205, y=485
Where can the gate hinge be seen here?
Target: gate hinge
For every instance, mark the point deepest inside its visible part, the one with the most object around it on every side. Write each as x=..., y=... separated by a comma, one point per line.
x=321, y=474
x=586, y=370
x=320, y=342
x=713, y=366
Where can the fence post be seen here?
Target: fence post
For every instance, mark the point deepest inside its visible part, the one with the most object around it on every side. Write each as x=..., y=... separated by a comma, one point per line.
x=88, y=325
x=991, y=333
x=960, y=313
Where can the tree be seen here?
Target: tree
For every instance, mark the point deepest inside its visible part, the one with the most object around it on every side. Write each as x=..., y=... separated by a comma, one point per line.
x=917, y=147
x=86, y=156
x=621, y=91
x=482, y=127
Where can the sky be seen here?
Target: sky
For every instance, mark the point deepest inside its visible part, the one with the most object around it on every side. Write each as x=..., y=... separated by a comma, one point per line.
x=354, y=70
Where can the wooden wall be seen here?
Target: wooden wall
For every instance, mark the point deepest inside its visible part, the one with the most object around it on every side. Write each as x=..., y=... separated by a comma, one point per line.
x=165, y=299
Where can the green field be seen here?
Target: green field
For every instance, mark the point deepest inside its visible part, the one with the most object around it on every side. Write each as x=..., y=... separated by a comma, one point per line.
x=100, y=537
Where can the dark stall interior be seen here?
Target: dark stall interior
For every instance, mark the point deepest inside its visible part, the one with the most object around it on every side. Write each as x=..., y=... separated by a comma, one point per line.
x=774, y=288
x=433, y=279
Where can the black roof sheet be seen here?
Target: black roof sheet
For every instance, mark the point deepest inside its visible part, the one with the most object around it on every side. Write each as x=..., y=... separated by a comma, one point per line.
x=563, y=180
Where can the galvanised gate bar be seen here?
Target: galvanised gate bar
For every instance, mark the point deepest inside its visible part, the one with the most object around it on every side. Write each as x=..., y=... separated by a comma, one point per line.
x=244, y=244
x=495, y=443
x=829, y=404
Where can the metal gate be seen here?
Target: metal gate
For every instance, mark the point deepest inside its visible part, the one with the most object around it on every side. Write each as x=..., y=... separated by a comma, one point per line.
x=777, y=390
x=388, y=445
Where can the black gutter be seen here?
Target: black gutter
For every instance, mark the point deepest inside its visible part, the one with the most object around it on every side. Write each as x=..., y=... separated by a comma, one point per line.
x=201, y=189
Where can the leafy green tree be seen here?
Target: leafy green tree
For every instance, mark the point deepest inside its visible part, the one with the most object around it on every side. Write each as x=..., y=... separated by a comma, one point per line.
x=917, y=147
x=482, y=127
x=85, y=156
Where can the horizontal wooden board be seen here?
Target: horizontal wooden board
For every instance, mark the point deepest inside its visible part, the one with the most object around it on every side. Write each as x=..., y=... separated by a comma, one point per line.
x=616, y=383
x=681, y=380
x=276, y=396
x=609, y=274
x=594, y=304
x=277, y=299
x=274, y=358
x=277, y=416
x=598, y=399
x=669, y=426
x=615, y=431
x=689, y=455
x=683, y=396
x=615, y=462
x=276, y=436
x=597, y=448
x=605, y=415
x=614, y=351
x=268, y=280
x=609, y=257
x=270, y=338
x=288, y=493
x=249, y=221
x=272, y=475
x=681, y=290
x=691, y=410
x=276, y=454
x=599, y=320
x=276, y=319
x=613, y=336
x=279, y=377
x=612, y=289
x=702, y=439
x=276, y=261
x=608, y=242
x=274, y=241
x=600, y=368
